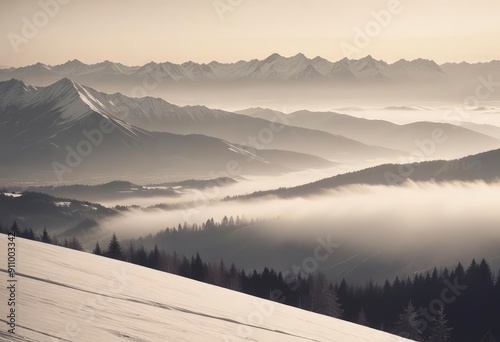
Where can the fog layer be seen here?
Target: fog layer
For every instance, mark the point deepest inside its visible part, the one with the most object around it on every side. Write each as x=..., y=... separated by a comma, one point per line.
x=416, y=226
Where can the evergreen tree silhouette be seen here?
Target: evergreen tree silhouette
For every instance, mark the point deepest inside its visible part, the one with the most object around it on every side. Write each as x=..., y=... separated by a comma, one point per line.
x=114, y=249
x=409, y=324
x=141, y=257
x=197, y=270
x=75, y=244
x=97, y=249
x=154, y=258
x=440, y=331
x=185, y=268
x=15, y=228
x=324, y=298
x=45, y=236
x=362, y=320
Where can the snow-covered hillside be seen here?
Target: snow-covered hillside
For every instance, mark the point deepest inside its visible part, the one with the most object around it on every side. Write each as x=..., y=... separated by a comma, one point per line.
x=65, y=295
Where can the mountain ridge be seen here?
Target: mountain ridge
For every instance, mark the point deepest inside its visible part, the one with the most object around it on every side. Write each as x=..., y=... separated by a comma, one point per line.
x=77, y=128
x=136, y=116
x=274, y=67
x=479, y=167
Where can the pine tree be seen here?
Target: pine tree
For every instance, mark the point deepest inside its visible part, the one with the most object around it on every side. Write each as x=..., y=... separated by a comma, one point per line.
x=28, y=234
x=75, y=244
x=15, y=229
x=220, y=275
x=114, y=249
x=362, y=320
x=45, y=236
x=324, y=298
x=130, y=254
x=154, y=258
x=234, y=281
x=440, y=332
x=184, y=269
x=197, y=270
x=332, y=304
x=409, y=324
x=97, y=249
x=141, y=256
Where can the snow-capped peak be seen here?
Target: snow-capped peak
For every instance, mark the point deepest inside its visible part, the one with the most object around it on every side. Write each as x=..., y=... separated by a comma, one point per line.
x=64, y=97
x=12, y=90
x=15, y=85
x=274, y=67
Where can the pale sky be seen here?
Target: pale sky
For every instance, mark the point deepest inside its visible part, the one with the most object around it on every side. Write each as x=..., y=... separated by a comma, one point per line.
x=137, y=32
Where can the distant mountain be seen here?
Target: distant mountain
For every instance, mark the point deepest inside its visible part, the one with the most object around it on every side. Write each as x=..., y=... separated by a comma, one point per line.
x=294, y=82
x=198, y=183
x=37, y=210
x=263, y=113
x=82, y=132
x=153, y=114
x=460, y=140
x=480, y=167
x=123, y=189
x=491, y=130
x=274, y=67
x=158, y=115
x=464, y=69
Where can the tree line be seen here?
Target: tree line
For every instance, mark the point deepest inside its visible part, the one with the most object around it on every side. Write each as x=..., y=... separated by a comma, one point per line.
x=458, y=304
x=44, y=236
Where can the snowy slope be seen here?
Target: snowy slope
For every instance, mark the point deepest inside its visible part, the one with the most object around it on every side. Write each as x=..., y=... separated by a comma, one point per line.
x=64, y=295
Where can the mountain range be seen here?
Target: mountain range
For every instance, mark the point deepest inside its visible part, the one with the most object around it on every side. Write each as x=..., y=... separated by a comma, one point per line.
x=38, y=210
x=274, y=67
x=415, y=139
x=66, y=131
x=479, y=167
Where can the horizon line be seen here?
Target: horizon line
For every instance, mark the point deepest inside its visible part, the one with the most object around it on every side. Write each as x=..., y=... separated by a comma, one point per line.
x=6, y=67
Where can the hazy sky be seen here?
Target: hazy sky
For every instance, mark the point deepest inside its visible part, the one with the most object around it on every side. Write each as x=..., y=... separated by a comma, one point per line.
x=136, y=32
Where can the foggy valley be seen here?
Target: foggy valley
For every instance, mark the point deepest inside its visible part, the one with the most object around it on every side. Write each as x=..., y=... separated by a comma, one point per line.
x=359, y=182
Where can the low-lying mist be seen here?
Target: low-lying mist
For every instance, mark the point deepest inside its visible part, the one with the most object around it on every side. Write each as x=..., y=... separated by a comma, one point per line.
x=244, y=185
x=419, y=224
